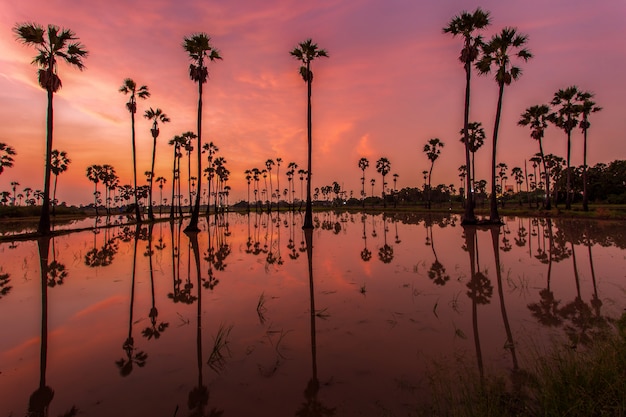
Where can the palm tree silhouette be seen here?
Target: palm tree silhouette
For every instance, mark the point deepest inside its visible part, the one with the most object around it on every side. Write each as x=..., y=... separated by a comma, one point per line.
x=432, y=149
x=198, y=47
x=156, y=116
x=130, y=87
x=211, y=149
x=60, y=44
x=363, y=165
x=383, y=166
x=306, y=52
x=58, y=164
x=476, y=137
x=6, y=156
x=160, y=181
x=466, y=24
x=268, y=164
x=94, y=173
x=587, y=107
x=566, y=119
x=496, y=55
x=537, y=118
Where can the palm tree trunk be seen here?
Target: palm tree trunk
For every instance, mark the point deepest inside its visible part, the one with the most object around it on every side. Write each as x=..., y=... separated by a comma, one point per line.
x=54, y=194
x=308, y=215
x=193, y=223
x=150, y=209
x=172, y=204
x=44, y=219
x=585, y=197
x=137, y=211
x=494, y=217
x=548, y=206
x=469, y=217
x=568, y=187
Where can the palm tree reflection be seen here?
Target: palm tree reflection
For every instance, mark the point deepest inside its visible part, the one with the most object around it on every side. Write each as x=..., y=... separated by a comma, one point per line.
x=155, y=329
x=41, y=398
x=366, y=254
x=437, y=272
x=133, y=355
x=385, y=253
x=479, y=288
x=312, y=405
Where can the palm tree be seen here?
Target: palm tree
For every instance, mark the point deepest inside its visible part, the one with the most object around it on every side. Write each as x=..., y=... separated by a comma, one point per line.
x=466, y=24
x=278, y=161
x=6, y=156
x=156, y=116
x=566, y=118
x=14, y=185
x=383, y=166
x=211, y=149
x=432, y=149
x=537, y=118
x=60, y=44
x=94, y=174
x=306, y=52
x=497, y=55
x=161, y=181
x=476, y=137
x=130, y=87
x=373, y=182
x=177, y=141
x=199, y=48
x=58, y=164
x=587, y=107
x=363, y=165
x=268, y=164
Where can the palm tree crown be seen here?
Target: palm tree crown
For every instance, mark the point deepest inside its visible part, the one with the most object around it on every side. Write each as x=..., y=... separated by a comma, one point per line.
x=496, y=54
x=59, y=44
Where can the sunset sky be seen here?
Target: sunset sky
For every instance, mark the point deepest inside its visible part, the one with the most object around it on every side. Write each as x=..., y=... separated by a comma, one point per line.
x=391, y=82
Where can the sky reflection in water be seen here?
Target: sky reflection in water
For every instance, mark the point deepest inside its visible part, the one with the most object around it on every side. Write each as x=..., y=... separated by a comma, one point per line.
x=390, y=295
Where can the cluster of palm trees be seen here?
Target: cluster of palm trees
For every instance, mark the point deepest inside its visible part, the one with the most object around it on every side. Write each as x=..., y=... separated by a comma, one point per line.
x=53, y=44
x=267, y=195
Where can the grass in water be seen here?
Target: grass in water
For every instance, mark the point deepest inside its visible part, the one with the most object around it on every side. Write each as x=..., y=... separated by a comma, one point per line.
x=566, y=381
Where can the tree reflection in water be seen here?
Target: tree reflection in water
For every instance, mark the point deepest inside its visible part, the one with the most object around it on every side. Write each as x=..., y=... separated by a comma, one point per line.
x=366, y=254
x=479, y=291
x=312, y=406
x=155, y=329
x=133, y=355
x=41, y=398
x=385, y=253
x=198, y=398
x=436, y=272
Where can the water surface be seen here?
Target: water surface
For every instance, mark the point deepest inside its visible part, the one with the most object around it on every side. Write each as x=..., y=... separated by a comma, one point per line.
x=246, y=320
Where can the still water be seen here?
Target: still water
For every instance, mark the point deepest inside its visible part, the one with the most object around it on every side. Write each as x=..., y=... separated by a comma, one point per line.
x=246, y=320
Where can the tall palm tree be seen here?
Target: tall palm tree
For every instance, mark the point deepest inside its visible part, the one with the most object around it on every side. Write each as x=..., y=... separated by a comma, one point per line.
x=268, y=164
x=363, y=165
x=6, y=156
x=199, y=48
x=476, y=138
x=383, y=166
x=58, y=44
x=161, y=181
x=466, y=24
x=497, y=55
x=130, y=87
x=211, y=149
x=94, y=174
x=566, y=119
x=156, y=116
x=537, y=118
x=58, y=164
x=432, y=149
x=587, y=107
x=278, y=161
x=306, y=52
x=177, y=141
x=14, y=185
